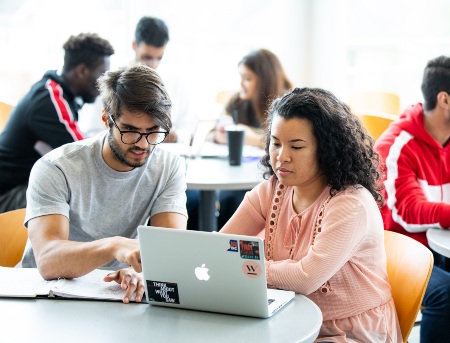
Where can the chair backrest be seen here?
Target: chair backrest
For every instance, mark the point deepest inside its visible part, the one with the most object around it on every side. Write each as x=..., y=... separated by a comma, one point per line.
x=13, y=237
x=376, y=123
x=374, y=101
x=223, y=96
x=5, y=110
x=409, y=265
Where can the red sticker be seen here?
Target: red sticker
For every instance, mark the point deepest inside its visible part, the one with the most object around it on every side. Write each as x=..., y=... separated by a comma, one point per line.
x=249, y=250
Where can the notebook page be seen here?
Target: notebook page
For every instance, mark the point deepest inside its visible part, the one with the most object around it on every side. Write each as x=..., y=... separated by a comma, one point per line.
x=23, y=282
x=90, y=286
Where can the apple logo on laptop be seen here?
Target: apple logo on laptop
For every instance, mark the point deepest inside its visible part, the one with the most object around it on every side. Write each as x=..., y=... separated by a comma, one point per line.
x=202, y=273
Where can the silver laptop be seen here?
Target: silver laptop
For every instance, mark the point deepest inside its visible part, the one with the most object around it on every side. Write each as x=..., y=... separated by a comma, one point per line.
x=207, y=271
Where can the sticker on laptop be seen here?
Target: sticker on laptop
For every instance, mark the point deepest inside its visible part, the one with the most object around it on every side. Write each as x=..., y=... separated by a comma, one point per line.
x=249, y=250
x=233, y=245
x=163, y=292
x=251, y=269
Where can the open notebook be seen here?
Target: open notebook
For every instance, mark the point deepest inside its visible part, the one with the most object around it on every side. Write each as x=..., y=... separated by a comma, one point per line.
x=28, y=283
x=207, y=271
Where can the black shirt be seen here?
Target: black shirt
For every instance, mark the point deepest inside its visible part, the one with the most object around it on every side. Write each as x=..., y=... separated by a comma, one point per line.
x=43, y=120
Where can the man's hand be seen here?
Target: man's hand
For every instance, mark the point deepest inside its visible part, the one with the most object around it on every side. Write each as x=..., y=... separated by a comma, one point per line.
x=129, y=280
x=127, y=251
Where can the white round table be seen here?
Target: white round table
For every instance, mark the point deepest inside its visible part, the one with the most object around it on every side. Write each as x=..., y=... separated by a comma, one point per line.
x=46, y=320
x=211, y=174
x=439, y=241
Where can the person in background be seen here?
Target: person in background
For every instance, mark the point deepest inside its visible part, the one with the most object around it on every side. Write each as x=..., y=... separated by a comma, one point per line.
x=86, y=199
x=416, y=152
x=46, y=117
x=318, y=211
x=262, y=80
x=149, y=45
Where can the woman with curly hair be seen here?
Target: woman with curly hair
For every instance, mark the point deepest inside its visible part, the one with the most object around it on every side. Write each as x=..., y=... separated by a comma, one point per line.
x=318, y=213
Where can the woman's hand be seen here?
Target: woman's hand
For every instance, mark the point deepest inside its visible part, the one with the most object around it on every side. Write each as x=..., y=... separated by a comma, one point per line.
x=129, y=280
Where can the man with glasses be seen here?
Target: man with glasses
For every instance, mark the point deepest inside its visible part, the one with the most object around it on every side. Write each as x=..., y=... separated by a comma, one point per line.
x=86, y=199
x=416, y=151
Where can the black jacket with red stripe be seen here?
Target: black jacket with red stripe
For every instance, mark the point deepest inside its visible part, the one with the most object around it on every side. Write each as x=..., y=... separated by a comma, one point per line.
x=43, y=120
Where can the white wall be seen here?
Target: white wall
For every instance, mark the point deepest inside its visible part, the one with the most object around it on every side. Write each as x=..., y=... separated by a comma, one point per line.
x=341, y=45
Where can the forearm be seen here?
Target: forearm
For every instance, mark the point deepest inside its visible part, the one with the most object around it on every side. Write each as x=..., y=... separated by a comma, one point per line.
x=63, y=258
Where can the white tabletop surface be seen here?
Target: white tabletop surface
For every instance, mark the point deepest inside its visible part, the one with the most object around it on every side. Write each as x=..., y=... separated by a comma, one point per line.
x=49, y=320
x=439, y=241
x=216, y=173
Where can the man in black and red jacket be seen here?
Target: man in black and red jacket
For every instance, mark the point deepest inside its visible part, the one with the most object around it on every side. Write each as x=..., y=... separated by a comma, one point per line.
x=46, y=117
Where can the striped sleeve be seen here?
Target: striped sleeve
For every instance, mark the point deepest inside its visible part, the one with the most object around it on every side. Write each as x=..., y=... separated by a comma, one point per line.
x=417, y=194
x=63, y=109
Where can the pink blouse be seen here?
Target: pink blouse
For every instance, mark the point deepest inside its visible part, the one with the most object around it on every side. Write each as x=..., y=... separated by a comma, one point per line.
x=332, y=252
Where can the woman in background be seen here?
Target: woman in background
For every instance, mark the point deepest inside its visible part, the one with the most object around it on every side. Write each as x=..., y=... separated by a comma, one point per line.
x=262, y=80
x=318, y=212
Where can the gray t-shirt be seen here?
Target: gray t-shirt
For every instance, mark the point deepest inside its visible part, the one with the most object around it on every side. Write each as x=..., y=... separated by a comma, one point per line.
x=99, y=202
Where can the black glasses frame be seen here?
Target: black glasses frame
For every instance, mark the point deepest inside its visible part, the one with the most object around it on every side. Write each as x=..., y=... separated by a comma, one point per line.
x=140, y=134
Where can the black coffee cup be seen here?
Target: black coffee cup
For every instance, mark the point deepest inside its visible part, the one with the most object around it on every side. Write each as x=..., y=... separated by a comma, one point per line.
x=235, y=136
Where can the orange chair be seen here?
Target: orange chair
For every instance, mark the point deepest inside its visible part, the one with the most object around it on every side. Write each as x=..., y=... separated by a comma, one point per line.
x=409, y=265
x=13, y=237
x=374, y=101
x=223, y=96
x=376, y=123
x=5, y=110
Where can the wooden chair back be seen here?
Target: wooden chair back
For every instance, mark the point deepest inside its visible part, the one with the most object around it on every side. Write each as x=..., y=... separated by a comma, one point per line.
x=376, y=123
x=223, y=96
x=5, y=110
x=374, y=101
x=13, y=237
x=409, y=265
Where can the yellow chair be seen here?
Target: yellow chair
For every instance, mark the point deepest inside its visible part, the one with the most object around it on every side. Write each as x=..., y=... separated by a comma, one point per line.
x=409, y=265
x=5, y=110
x=223, y=96
x=374, y=101
x=13, y=237
x=376, y=123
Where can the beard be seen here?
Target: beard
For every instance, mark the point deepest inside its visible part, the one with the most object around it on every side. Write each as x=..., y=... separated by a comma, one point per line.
x=120, y=154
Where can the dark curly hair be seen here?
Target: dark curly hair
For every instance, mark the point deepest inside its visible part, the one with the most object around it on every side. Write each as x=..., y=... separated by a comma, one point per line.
x=87, y=48
x=345, y=150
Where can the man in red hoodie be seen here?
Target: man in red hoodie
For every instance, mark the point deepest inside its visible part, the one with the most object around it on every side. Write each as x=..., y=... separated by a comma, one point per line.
x=416, y=152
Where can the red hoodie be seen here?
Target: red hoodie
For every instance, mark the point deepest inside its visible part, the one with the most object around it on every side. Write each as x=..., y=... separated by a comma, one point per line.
x=417, y=177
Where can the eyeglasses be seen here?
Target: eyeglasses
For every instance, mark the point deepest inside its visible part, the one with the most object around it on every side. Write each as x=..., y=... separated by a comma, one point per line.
x=132, y=137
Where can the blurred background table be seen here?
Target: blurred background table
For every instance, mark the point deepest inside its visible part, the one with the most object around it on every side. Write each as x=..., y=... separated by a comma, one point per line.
x=439, y=241
x=212, y=174
x=208, y=170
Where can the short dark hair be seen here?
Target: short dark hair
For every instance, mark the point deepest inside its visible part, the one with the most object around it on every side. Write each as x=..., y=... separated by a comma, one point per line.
x=87, y=48
x=138, y=89
x=345, y=151
x=436, y=78
x=151, y=31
